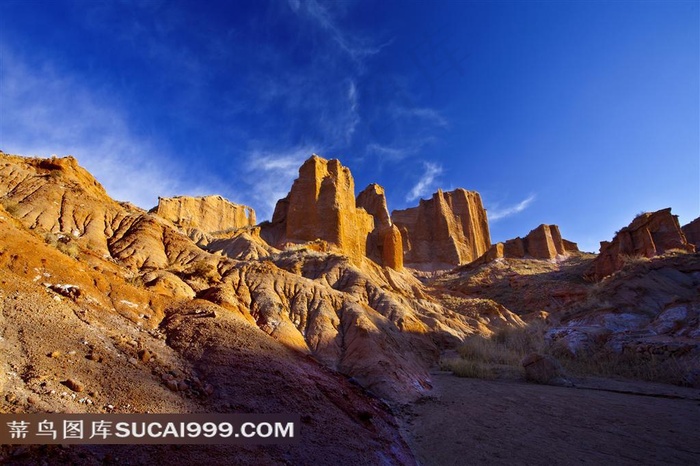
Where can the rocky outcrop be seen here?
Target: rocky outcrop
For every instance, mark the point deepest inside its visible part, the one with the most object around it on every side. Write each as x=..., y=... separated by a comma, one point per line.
x=321, y=206
x=692, y=233
x=384, y=243
x=650, y=234
x=544, y=242
x=207, y=214
x=447, y=230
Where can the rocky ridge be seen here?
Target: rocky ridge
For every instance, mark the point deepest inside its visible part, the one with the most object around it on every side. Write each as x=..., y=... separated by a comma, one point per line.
x=650, y=234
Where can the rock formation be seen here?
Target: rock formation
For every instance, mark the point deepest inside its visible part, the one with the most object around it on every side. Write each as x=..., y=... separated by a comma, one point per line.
x=208, y=214
x=692, y=233
x=650, y=234
x=384, y=244
x=544, y=242
x=321, y=206
x=447, y=230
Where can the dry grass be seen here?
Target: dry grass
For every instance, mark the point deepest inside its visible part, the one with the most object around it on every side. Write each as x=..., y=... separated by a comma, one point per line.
x=487, y=357
x=502, y=353
x=629, y=365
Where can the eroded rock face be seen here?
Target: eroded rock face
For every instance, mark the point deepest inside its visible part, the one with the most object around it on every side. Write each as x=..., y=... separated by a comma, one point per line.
x=692, y=233
x=208, y=214
x=650, y=234
x=447, y=230
x=544, y=242
x=321, y=206
x=384, y=244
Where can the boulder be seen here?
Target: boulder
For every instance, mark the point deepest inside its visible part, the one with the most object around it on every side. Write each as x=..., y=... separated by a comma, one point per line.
x=447, y=230
x=650, y=234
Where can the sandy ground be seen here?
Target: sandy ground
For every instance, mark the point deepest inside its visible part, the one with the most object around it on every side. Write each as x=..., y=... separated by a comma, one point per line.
x=469, y=421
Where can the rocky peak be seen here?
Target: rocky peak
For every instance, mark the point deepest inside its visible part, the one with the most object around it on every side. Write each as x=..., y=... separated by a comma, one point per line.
x=650, y=234
x=384, y=244
x=208, y=214
x=449, y=229
x=373, y=200
x=321, y=205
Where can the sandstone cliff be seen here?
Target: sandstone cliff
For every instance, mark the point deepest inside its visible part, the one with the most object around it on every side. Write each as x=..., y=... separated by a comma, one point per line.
x=208, y=214
x=692, y=233
x=650, y=234
x=321, y=206
x=544, y=242
x=384, y=244
x=447, y=230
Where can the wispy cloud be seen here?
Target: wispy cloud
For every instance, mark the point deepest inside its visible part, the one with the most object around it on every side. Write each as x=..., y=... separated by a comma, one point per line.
x=425, y=114
x=271, y=174
x=497, y=213
x=45, y=112
x=356, y=47
x=425, y=184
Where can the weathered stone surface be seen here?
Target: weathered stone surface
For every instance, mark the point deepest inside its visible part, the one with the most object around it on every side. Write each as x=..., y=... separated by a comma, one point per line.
x=373, y=200
x=391, y=246
x=321, y=205
x=208, y=214
x=447, y=230
x=692, y=233
x=544, y=242
x=384, y=243
x=650, y=234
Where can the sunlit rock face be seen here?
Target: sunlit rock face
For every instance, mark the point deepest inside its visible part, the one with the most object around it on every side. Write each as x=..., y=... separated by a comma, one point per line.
x=321, y=206
x=384, y=244
x=449, y=229
x=208, y=214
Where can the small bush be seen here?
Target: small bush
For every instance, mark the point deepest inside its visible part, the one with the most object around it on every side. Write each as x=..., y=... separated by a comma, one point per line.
x=10, y=206
x=70, y=249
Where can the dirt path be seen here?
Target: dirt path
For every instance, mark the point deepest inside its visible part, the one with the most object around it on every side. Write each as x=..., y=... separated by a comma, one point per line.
x=472, y=421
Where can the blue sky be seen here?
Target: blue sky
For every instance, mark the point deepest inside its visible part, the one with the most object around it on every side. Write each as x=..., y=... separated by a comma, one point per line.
x=580, y=113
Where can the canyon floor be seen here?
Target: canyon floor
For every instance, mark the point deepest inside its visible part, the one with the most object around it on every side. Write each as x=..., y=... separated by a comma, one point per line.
x=600, y=421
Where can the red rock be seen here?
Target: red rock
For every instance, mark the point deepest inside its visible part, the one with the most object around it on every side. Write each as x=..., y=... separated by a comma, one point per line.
x=384, y=244
x=544, y=242
x=321, y=206
x=208, y=214
x=692, y=233
x=650, y=234
x=449, y=229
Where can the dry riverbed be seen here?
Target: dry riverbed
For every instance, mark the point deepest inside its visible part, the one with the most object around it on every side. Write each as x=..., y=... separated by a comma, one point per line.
x=470, y=421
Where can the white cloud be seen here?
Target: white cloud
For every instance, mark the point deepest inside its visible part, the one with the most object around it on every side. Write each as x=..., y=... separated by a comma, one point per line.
x=270, y=175
x=45, y=112
x=425, y=184
x=357, y=48
x=498, y=213
x=423, y=113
